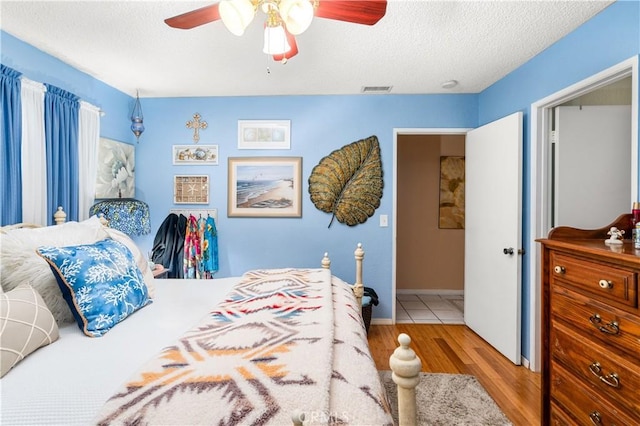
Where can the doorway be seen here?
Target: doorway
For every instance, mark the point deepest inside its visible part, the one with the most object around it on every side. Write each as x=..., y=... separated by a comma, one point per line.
x=421, y=200
x=493, y=263
x=540, y=212
x=430, y=229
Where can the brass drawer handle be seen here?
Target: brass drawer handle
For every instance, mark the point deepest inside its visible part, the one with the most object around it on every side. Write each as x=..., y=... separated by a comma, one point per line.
x=559, y=269
x=611, y=379
x=595, y=418
x=612, y=328
x=606, y=284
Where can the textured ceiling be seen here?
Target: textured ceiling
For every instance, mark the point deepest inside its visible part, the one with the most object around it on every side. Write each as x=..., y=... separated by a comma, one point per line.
x=415, y=48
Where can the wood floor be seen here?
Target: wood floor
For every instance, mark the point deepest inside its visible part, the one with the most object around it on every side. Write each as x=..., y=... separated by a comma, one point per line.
x=457, y=349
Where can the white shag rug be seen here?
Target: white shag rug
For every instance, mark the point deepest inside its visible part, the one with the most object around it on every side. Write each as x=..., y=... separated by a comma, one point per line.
x=448, y=400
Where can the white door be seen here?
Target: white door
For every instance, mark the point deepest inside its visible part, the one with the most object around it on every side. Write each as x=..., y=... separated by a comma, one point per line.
x=493, y=233
x=592, y=167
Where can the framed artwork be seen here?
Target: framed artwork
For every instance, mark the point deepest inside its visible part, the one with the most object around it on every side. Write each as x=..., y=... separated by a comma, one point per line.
x=451, y=209
x=264, y=134
x=265, y=187
x=116, y=170
x=191, y=189
x=195, y=154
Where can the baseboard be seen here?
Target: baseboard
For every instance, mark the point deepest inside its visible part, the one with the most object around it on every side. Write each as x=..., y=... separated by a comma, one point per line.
x=381, y=321
x=428, y=292
x=524, y=362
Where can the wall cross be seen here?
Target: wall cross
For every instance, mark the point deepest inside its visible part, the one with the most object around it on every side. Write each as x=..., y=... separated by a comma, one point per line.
x=196, y=125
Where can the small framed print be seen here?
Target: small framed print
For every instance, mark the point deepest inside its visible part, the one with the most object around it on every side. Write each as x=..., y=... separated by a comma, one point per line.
x=191, y=189
x=195, y=154
x=264, y=134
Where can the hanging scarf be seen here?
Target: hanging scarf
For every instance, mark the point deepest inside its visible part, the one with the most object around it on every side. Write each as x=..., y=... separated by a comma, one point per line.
x=209, y=239
x=192, y=249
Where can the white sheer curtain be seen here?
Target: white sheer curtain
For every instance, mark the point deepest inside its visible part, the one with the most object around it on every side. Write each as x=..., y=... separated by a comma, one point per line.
x=34, y=166
x=88, y=139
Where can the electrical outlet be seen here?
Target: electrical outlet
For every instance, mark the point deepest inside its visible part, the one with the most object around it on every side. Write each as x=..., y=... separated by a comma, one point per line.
x=384, y=221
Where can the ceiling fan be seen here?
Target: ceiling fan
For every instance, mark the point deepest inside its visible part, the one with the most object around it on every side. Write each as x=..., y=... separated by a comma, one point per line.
x=285, y=18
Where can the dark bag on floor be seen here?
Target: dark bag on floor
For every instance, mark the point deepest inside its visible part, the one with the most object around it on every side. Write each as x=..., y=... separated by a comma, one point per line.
x=368, y=291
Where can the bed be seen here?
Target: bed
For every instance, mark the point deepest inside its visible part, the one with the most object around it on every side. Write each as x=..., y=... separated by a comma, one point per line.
x=276, y=346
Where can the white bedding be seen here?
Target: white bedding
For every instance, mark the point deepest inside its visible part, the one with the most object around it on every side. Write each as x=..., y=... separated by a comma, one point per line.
x=38, y=390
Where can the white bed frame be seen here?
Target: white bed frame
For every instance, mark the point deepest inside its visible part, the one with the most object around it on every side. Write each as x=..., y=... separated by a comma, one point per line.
x=404, y=363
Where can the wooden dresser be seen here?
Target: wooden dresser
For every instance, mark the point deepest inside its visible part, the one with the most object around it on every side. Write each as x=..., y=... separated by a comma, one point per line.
x=590, y=328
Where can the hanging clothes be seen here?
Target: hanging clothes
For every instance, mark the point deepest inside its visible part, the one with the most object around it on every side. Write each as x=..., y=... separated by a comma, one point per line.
x=209, y=239
x=168, y=245
x=192, y=249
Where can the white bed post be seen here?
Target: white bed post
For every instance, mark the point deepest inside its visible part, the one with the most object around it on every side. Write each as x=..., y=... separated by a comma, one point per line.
x=358, y=287
x=326, y=262
x=406, y=367
x=59, y=217
x=298, y=416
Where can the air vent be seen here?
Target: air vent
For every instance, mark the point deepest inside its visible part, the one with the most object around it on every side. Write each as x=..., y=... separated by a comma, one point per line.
x=376, y=89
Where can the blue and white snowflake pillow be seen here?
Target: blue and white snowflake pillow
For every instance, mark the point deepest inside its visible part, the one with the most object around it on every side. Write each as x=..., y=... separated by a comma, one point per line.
x=101, y=282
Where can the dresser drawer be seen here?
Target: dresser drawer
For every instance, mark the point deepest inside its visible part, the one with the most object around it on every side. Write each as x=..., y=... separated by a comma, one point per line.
x=601, y=281
x=559, y=417
x=585, y=404
x=611, y=376
x=619, y=330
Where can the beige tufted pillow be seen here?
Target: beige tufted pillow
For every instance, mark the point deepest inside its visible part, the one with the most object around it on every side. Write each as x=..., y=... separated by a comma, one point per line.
x=25, y=325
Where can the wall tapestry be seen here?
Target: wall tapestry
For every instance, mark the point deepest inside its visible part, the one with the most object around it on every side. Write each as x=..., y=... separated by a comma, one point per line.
x=116, y=174
x=451, y=193
x=348, y=182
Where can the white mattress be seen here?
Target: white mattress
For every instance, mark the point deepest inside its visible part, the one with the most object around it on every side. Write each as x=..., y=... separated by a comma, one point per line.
x=67, y=382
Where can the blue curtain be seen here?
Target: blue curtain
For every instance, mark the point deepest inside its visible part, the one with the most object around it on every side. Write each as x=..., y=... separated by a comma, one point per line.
x=61, y=133
x=11, y=130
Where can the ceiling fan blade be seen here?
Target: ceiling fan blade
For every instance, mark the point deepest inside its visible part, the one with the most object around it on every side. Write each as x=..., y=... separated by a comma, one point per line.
x=366, y=12
x=195, y=18
x=292, y=52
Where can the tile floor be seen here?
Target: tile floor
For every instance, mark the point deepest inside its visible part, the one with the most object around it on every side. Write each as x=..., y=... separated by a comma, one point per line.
x=429, y=309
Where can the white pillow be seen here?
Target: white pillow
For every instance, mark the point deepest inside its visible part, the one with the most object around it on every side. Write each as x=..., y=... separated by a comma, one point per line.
x=19, y=262
x=25, y=325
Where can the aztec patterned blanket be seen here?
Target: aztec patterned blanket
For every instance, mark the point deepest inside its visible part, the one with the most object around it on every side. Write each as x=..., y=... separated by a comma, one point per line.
x=284, y=340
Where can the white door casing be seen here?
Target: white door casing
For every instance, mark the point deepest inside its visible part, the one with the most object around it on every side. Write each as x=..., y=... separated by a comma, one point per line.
x=493, y=215
x=539, y=176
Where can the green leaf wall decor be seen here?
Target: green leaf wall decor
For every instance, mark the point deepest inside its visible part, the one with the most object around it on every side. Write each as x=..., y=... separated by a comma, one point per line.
x=348, y=182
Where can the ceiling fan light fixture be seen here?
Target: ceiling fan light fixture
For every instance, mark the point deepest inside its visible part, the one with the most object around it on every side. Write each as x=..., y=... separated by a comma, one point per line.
x=296, y=14
x=236, y=15
x=275, y=40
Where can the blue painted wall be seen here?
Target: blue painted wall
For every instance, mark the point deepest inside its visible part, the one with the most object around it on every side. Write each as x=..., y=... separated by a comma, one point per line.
x=607, y=39
x=320, y=124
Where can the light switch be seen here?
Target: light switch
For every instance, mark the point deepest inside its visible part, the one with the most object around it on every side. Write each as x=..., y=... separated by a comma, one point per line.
x=384, y=221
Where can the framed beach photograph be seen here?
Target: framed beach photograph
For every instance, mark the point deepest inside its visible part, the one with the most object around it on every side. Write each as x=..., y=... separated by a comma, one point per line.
x=191, y=189
x=265, y=187
x=264, y=134
x=195, y=154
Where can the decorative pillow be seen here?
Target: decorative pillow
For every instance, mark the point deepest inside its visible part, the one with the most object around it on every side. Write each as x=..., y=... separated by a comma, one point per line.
x=141, y=260
x=25, y=325
x=20, y=262
x=101, y=282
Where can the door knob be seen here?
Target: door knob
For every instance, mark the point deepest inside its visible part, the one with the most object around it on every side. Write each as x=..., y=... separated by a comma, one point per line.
x=509, y=251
